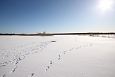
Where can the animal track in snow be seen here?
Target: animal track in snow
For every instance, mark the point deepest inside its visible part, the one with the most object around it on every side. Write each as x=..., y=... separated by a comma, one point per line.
x=15, y=55
x=14, y=69
x=60, y=56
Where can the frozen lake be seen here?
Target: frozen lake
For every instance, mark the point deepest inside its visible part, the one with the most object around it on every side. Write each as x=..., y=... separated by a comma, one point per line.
x=57, y=56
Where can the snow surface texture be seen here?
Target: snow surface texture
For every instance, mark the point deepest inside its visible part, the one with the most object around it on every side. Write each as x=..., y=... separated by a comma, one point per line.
x=57, y=56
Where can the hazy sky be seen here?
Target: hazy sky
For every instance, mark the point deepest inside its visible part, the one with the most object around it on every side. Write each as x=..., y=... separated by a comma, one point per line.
x=30, y=16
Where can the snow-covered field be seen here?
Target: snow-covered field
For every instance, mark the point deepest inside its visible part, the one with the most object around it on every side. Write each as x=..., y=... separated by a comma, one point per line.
x=57, y=56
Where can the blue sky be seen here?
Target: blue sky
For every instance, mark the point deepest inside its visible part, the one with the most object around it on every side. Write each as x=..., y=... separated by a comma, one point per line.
x=31, y=16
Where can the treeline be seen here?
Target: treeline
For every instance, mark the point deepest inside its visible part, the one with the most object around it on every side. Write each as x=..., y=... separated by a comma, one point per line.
x=51, y=34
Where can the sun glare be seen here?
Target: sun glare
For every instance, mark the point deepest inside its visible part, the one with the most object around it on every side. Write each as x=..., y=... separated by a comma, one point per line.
x=105, y=5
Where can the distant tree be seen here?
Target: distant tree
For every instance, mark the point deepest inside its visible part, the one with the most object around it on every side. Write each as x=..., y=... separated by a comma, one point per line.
x=44, y=32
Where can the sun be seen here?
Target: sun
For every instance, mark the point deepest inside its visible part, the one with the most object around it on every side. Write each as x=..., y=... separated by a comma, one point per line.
x=105, y=5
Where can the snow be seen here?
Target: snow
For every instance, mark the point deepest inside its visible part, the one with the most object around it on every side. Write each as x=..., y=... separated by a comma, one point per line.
x=57, y=56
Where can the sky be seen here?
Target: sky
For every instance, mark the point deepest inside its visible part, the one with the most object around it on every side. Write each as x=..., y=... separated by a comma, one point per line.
x=32, y=16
